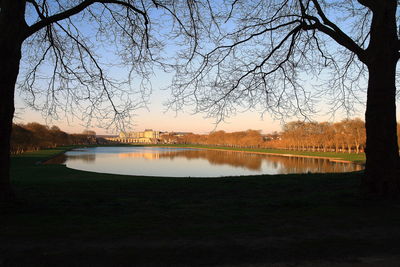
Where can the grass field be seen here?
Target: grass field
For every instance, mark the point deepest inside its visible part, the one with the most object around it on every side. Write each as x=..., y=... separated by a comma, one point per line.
x=66, y=217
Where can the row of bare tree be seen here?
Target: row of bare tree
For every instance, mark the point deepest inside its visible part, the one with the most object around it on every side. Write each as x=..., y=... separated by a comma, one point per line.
x=347, y=135
x=33, y=136
x=249, y=138
x=344, y=136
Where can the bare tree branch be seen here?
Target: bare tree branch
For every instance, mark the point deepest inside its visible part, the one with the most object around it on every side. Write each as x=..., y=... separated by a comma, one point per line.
x=75, y=10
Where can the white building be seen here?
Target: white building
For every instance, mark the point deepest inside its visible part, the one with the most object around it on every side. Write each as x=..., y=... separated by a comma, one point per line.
x=147, y=136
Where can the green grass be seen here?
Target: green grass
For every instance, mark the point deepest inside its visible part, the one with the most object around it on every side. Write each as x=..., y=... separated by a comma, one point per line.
x=66, y=217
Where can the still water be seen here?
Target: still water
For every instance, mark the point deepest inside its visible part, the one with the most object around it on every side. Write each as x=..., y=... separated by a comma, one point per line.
x=187, y=162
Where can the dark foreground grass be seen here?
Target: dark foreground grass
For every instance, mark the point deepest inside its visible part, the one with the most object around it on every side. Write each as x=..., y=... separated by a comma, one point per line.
x=66, y=217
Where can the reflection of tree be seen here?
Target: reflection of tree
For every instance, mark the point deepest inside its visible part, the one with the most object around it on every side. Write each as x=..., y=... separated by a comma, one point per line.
x=302, y=165
x=89, y=158
x=236, y=159
x=249, y=161
x=283, y=164
x=146, y=155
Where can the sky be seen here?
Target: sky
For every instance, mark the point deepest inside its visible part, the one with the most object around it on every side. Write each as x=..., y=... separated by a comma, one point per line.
x=155, y=117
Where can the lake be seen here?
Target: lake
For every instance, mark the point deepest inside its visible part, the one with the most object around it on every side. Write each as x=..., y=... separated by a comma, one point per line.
x=188, y=162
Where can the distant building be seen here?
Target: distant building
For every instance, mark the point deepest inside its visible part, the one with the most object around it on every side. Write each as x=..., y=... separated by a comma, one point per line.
x=148, y=136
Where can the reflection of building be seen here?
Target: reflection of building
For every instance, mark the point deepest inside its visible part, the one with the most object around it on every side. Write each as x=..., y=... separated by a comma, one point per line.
x=149, y=156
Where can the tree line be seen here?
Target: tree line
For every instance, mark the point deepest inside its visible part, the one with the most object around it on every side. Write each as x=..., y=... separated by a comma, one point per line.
x=348, y=135
x=34, y=136
x=249, y=138
x=345, y=136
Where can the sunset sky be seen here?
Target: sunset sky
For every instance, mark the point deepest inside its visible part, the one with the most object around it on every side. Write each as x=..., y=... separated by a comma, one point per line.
x=156, y=118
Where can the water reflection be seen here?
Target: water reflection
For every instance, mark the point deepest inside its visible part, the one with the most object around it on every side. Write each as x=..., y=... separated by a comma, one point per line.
x=62, y=159
x=216, y=157
x=147, y=155
x=180, y=162
x=89, y=158
x=253, y=161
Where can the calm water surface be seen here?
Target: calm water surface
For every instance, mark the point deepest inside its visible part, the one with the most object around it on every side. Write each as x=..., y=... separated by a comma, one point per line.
x=187, y=162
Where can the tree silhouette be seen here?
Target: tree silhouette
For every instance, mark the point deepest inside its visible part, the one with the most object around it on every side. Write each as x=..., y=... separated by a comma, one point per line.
x=259, y=53
x=61, y=44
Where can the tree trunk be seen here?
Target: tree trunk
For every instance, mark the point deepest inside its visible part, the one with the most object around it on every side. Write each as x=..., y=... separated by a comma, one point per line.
x=382, y=177
x=12, y=25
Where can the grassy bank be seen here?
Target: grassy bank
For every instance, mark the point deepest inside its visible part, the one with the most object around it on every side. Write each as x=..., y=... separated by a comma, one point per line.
x=71, y=218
